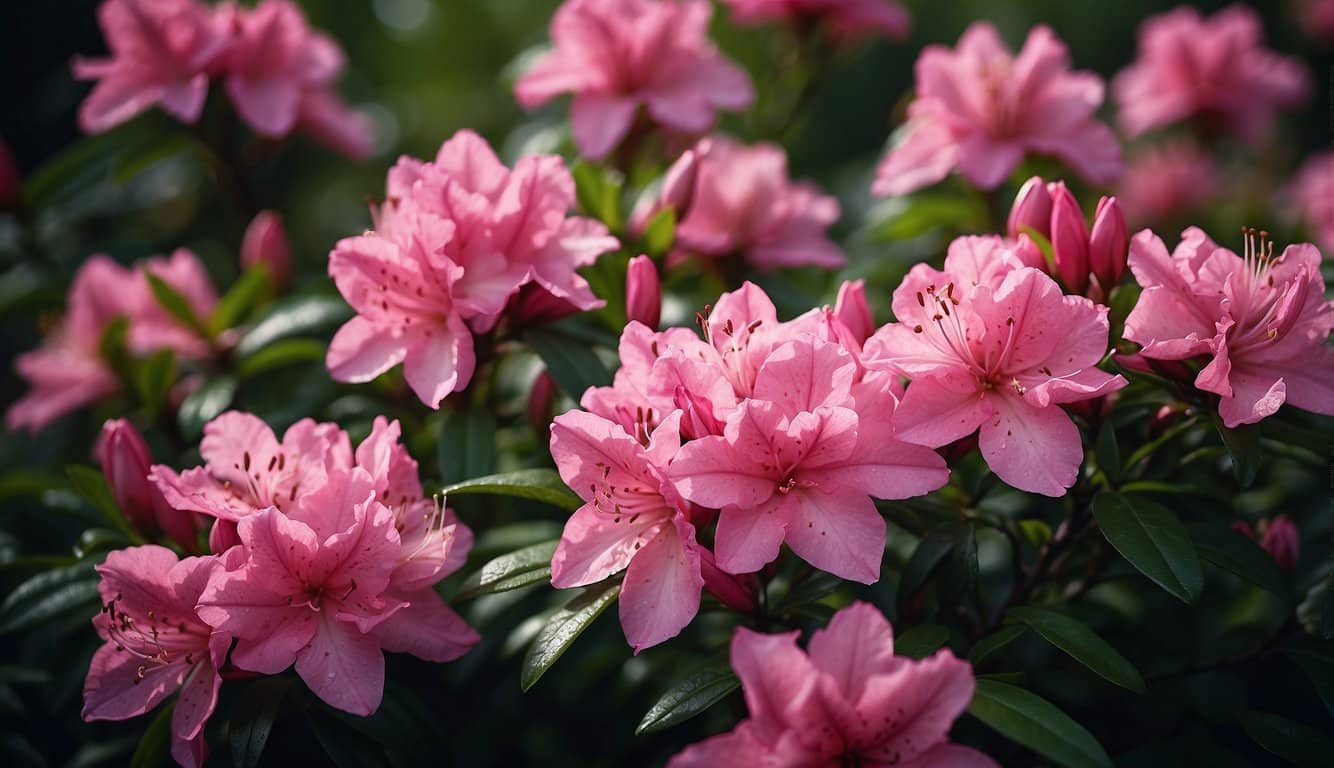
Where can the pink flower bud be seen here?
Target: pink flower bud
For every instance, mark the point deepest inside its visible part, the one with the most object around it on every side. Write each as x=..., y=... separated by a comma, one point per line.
x=1069, y=239
x=678, y=185
x=735, y=592
x=1031, y=209
x=266, y=243
x=1282, y=541
x=851, y=309
x=539, y=402
x=1109, y=244
x=643, y=292
x=125, y=461
x=9, y=176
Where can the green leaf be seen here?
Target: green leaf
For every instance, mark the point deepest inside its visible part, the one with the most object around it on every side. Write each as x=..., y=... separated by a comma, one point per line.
x=1299, y=744
x=563, y=628
x=176, y=305
x=58, y=592
x=242, y=297
x=1316, y=611
x=1153, y=540
x=520, y=568
x=467, y=445
x=1320, y=668
x=153, y=378
x=1032, y=721
x=598, y=192
x=1236, y=552
x=660, y=233
x=1243, y=445
x=689, y=697
x=1082, y=644
x=928, y=555
x=294, y=316
x=155, y=746
x=537, y=484
x=204, y=404
x=921, y=641
x=1108, y=453
x=956, y=577
x=571, y=361
x=111, y=346
x=252, y=718
x=816, y=587
x=995, y=641
x=346, y=747
x=92, y=486
x=923, y=213
x=281, y=354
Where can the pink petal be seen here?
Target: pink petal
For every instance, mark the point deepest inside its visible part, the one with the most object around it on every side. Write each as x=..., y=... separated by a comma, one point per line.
x=748, y=538
x=599, y=122
x=938, y=411
x=360, y=351
x=736, y=747
x=857, y=644
x=593, y=545
x=926, y=156
x=1032, y=449
x=115, y=100
x=113, y=689
x=838, y=530
x=950, y=756
x=805, y=374
x=268, y=105
x=986, y=162
x=1256, y=395
x=440, y=363
x=660, y=594
x=779, y=684
x=427, y=628
x=926, y=698
x=343, y=667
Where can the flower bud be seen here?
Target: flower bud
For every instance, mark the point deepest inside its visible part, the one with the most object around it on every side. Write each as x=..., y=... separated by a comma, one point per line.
x=678, y=185
x=643, y=292
x=1031, y=209
x=265, y=242
x=1109, y=244
x=1069, y=240
x=852, y=310
x=540, y=398
x=1282, y=541
x=125, y=461
x=737, y=592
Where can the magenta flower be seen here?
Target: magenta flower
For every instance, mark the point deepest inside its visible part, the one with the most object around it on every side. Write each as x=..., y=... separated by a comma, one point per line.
x=1214, y=70
x=455, y=240
x=994, y=346
x=1311, y=194
x=279, y=74
x=1167, y=181
x=161, y=51
x=1262, y=323
x=616, y=55
x=155, y=644
x=980, y=110
x=848, y=20
x=631, y=521
x=795, y=464
x=848, y=700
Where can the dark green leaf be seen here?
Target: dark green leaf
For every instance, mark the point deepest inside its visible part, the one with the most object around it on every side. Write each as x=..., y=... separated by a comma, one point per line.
x=1081, y=643
x=921, y=641
x=696, y=693
x=956, y=578
x=572, y=362
x=537, y=484
x=154, y=748
x=816, y=587
x=1031, y=720
x=91, y=484
x=345, y=747
x=153, y=378
x=1234, y=551
x=111, y=346
x=1299, y=744
x=994, y=642
x=563, y=628
x=1243, y=445
x=915, y=216
x=1153, y=540
x=1316, y=611
x=242, y=297
x=1319, y=667
x=467, y=445
x=59, y=592
x=520, y=568
x=175, y=304
x=281, y=354
x=930, y=551
x=145, y=155
x=1108, y=453
x=204, y=404
x=294, y=316
x=252, y=718
x=660, y=233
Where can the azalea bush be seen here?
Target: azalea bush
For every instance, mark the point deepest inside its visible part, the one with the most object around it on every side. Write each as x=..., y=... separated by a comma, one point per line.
x=763, y=382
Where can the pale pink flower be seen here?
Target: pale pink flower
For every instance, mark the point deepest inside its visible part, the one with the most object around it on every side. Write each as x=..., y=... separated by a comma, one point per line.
x=1282, y=541
x=1312, y=196
x=155, y=644
x=1167, y=181
x=631, y=521
x=995, y=346
x=732, y=198
x=265, y=242
x=848, y=20
x=1261, y=323
x=618, y=55
x=980, y=109
x=279, y=75
x=1214, y=70
x=796, y=464
x=848, y=700
x=161, y=51
x=125, y=461
x=454, y=242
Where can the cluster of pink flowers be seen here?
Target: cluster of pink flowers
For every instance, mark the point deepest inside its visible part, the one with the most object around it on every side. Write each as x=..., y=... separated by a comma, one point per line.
x=70, y=371
x=276, y=70
x=1167, y=181
x=848, y=700
x=1088, y=260
x=615, y=56
x=1312, y=196
x=848, y=20
x=323, y=559
x=454, y=242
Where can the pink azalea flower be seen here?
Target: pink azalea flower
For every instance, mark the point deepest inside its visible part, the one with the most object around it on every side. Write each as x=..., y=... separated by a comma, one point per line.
x=1167, y=181
x=310, y=591
x=280, y=73
x=1262, y=323
x=1312, y=195
x=616, y=55
x=160, y=54
x=155, y=644
x=455, y=241
x=848, y=700
x=849, y=20
x=795, y=464
x=1213, y=69
x=980, y=110
x=632, y=521
x=729, y=197
x=994, y=345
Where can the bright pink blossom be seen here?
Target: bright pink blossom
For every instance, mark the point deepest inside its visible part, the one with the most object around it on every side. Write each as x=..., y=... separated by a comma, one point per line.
x=1282, y=541
x=994, y=345
x=454, y=242
x=847, y=700
x=155, y=644
x=1167, y=181
x=848, y=19
x=1215, y=70
x=161, y=51
x=980, y=109
x=125, y=461
x=631, y=521
x=1312, y=195
x=265, y=242
x=1261, y=323
x=618, y=55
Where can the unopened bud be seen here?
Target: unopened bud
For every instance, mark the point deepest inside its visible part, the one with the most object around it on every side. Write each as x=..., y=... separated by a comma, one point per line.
x=853, y=311
x=643, y=292
x=265, y=242
x=1031, y=209
x=1282, y=541
x=1109, y=243
x=1069, y=240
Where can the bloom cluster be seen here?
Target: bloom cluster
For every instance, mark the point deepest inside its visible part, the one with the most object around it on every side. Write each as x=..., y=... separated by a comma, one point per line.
x=277, y=71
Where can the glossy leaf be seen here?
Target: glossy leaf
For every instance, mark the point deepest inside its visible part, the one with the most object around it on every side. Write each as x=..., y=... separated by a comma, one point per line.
x=240, y=299
x=294, y=316
x=921, y=641
x=571, y=361
x=1297, y=743
x=467, y=445
x=1153, y=540
x=281, y=354
x=1236, y=552
x=58, y=592
x=995, y=641
x=1081, y=643
x=205, y=404
x=694, y=694
x=598, y=192
x=928, y=555
x=252, y=719
x=660, y=233
x=1029, y=719
x=91, y=484
x=153, y=378
x=563, y=628
x=154, y=747
x=176, y=305
x=1243, y=446
x=1319, y=668
x=537, y=484
x=529, y=565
